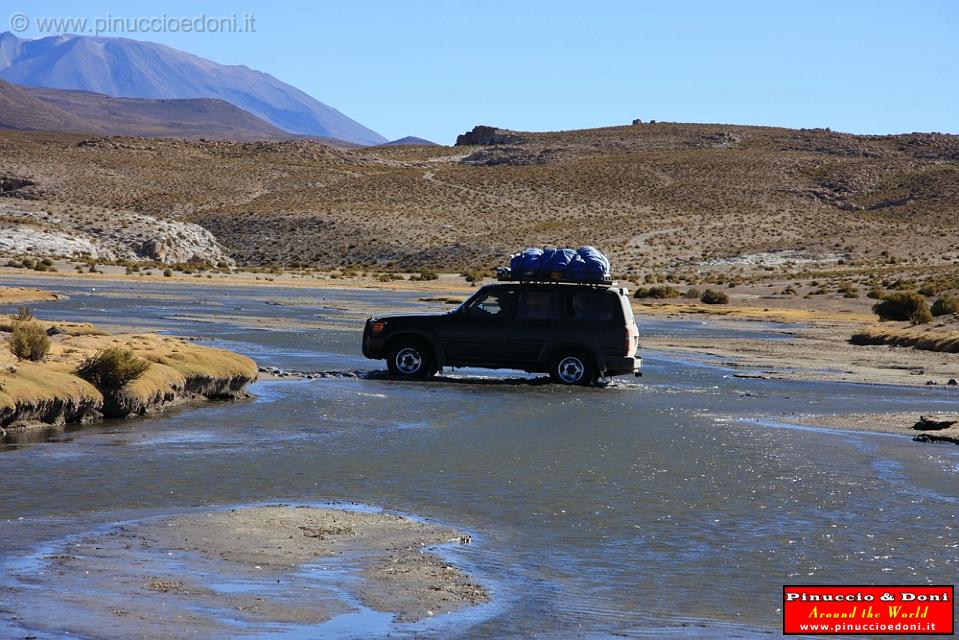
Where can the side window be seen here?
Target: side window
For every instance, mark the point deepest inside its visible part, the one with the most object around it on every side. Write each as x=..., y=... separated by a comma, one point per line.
x=492, y=304
x=589, y=306
x=536, y=305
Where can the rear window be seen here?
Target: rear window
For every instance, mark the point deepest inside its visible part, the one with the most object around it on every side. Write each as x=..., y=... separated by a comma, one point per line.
x=591, y=306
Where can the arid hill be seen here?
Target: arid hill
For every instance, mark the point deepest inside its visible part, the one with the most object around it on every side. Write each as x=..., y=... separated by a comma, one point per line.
x=39, y=108
x=652, y=195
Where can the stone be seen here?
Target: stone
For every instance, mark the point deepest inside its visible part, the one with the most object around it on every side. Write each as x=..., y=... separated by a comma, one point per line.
x=931, y=423
x=485, y=135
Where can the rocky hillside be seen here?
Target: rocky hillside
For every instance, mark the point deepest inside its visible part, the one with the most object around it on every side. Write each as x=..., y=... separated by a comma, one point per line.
x=652, y=195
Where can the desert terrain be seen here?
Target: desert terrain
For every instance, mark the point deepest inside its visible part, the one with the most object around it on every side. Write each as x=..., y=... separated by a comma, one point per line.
x=657, y=197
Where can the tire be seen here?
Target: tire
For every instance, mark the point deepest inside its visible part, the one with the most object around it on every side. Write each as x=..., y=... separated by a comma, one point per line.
x=410, y=360
x=572, y=368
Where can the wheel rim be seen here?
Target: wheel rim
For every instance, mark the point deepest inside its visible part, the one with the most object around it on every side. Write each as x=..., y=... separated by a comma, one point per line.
x=571, y=369
x=409, y=360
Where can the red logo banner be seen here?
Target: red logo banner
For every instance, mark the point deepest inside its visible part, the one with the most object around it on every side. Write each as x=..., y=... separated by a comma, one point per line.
x=872, y=610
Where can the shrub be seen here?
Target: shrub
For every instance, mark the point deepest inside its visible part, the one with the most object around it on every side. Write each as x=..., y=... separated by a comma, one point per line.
x=692, y=293
x=110, y=369
x=23, y=314
x=29, y=341
x=425, y=275
x=875, y=294
x=714, y=297
x=903, y=305
x=848, y=290
x=167, y=272
x=945, y=306
x=658, y=291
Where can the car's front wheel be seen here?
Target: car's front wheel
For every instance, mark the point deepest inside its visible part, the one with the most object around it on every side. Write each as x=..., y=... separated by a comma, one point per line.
x=573, y=367
x=410, y=360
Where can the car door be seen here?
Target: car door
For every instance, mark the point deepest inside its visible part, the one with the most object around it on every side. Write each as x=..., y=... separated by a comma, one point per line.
x=535, y=321
x=477, y=334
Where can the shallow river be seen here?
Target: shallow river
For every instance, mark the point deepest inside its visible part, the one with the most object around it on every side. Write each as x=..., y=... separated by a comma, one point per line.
x=671, y=505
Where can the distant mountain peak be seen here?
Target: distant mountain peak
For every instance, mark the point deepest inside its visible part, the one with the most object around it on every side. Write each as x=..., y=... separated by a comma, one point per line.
x=412, y=140
x=123, y=67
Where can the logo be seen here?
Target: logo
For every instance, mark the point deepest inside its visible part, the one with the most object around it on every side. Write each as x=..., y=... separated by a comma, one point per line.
x=873, y=610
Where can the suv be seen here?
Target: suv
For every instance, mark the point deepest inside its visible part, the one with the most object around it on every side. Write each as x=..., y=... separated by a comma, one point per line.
x=577, y=333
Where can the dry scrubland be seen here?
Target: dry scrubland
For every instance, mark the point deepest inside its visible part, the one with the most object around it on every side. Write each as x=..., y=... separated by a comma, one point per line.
x=654, y=196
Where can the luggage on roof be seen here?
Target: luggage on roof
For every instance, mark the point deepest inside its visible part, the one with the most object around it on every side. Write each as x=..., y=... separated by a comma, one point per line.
x=584, y=265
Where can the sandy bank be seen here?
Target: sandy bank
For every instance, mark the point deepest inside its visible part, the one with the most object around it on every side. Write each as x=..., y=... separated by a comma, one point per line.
x=906, y=424
x=820, y=351
x=248, y=571
x=445, y=283
x=399, y=576
x=19, y=295
x=49, y=393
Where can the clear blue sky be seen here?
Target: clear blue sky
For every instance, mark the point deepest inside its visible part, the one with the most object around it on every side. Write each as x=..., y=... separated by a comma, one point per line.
x=434, y=68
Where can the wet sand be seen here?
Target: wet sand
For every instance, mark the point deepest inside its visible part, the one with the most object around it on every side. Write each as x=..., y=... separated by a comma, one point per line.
x=817, y=352
x=902, y=423
x=240, y=571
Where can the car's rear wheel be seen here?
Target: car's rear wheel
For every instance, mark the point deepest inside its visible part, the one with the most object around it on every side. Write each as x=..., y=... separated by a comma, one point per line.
x=573, y=367
x=410, y=360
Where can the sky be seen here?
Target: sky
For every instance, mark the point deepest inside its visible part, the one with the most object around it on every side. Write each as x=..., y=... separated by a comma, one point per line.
x=436, y=68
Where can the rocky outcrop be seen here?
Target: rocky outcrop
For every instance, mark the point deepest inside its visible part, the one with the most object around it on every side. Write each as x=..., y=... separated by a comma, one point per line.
x=179, y=242
x=484, y=135
x=18, y=239
x=516, y=156
x=32, y=229
x=14, y=186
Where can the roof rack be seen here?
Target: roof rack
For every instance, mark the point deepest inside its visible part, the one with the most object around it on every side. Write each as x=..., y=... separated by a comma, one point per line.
x=535, y=276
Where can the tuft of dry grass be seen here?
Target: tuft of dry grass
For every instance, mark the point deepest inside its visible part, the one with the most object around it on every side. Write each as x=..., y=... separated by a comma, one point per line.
x=112, y=368
x=29, y=340
x=945, y=341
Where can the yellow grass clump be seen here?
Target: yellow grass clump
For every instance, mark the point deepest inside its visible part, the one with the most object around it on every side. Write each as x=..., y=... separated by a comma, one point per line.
x=946, y=341
x=778, y=314
x=51, y=391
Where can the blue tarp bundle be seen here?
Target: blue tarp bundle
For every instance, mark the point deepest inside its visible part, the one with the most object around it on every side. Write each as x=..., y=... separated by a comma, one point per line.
x=585, y=264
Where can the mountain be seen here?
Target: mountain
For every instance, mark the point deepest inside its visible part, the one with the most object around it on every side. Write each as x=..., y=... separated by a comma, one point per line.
x=37, y=108
x=21, y=110
x=135, y=69
x=411, y=140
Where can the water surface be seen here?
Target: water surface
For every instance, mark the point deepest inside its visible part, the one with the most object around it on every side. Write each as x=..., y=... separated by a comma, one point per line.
x=671, y=505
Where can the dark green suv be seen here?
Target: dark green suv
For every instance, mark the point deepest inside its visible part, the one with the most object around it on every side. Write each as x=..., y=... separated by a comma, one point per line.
x=577, y=333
